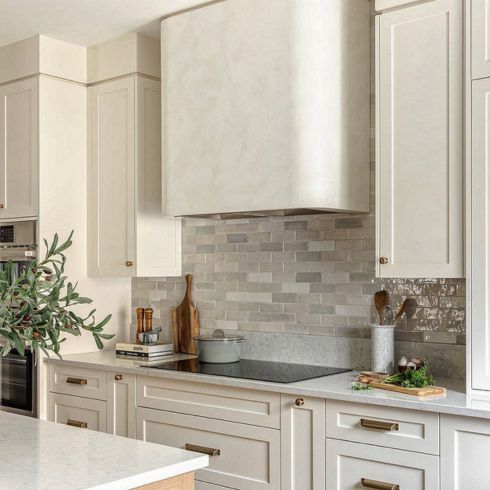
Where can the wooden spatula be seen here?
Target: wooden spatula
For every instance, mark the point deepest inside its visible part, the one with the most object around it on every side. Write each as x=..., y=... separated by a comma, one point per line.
x=402, y=310
x=185, y=320
x=380, y=301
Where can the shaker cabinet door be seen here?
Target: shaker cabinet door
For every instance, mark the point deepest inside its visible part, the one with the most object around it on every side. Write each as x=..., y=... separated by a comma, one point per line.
x=479, y=229
x=121, y=404
x=112, y=178
x=19, y=152
x=465, y=445
x=302, y=443
x=419, y=140
x=480, y=38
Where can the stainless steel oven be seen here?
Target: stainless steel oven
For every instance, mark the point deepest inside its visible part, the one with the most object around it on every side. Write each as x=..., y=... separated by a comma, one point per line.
x=18, y=371
x=18, y=383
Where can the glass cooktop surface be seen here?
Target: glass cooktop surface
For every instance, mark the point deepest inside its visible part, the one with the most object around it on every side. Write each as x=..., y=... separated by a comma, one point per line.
x=277, y=372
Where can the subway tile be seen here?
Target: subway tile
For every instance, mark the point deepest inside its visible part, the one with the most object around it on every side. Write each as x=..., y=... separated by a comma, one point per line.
x=308, y=277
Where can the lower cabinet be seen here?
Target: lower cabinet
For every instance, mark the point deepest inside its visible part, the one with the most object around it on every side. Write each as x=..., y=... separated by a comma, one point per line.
x=465, y=447
x=242, y=456
x=354, y=466
x=302, y=443
x=77, y=412
x=121, y=404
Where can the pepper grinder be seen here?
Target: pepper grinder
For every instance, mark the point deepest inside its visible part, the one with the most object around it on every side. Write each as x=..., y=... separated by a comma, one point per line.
x=140, y=314
x=148, y=320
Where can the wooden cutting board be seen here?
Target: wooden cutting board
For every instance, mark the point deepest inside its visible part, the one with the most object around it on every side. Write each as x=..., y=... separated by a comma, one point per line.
x=428, y=391
x=185, y=321
x=375, y=380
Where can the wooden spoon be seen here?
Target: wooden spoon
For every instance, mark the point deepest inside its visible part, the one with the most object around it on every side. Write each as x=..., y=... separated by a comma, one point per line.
x=380, y=300
x=402, y=310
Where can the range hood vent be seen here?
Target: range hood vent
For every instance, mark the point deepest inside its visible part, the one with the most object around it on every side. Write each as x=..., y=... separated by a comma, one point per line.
x=266, y=108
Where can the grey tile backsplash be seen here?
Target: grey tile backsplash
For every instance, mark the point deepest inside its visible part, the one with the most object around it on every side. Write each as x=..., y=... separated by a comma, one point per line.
x=308, y=275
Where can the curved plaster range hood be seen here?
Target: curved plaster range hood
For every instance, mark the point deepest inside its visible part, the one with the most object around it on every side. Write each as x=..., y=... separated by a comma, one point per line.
x=266, y=108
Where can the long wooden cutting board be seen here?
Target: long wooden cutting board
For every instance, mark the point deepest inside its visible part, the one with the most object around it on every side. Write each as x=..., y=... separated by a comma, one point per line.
x=185, y=321
x=428, y=391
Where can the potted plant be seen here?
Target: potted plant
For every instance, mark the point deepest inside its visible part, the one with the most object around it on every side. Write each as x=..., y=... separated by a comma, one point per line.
x=38, y=306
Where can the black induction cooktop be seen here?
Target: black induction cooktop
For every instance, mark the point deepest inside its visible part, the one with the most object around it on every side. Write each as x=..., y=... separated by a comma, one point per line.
x=277, y=372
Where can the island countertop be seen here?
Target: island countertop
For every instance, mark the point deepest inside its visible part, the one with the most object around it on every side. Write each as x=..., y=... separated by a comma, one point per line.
x=336, y=387
x=43, y=455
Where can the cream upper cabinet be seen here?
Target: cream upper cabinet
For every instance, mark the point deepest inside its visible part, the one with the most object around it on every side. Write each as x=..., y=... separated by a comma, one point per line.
x=127, y=234
x=480, y=38
x=302, y=443
x=419, y=136
x=479, y=228
x=465, y=445
x=19, y=153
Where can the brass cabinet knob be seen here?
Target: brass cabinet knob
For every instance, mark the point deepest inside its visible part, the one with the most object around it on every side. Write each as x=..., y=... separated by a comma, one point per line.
x=299, y=402
x=383, y=260
x=129, y=263
x=118, y=377
x=2, y=206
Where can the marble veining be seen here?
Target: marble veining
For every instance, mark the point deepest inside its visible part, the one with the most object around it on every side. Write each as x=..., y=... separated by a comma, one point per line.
x=336, y=387
x=47, y=456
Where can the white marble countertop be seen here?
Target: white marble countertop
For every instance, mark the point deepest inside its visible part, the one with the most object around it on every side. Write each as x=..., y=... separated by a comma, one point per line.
x=39, y=455
x=336, y=387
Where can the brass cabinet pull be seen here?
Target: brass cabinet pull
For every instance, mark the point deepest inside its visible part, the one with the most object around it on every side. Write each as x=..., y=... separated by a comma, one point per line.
x=299, y=402
x=379, y=485
x=201, y=449
x=379, y=425
x=383, y=260
x=76, y=423
x=129, y=263
x=118, y=377
x=76, y=381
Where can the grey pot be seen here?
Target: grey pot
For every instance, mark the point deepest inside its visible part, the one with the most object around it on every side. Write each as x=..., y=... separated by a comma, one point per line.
x=219, y=348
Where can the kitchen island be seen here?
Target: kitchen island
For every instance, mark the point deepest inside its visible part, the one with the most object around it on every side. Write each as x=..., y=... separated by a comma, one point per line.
x=42, y=455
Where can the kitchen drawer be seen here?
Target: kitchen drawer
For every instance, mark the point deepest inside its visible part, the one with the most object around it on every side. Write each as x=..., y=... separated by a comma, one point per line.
x=349, y=463
x=89, y=383
x=249, y=456
x=217, y=402
x=77, y=411
x=411, y=430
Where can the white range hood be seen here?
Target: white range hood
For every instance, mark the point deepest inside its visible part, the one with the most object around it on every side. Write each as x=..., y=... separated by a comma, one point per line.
x=266, y=108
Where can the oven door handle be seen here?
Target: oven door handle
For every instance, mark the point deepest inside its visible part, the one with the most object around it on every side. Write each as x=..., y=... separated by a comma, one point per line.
x=19, y=362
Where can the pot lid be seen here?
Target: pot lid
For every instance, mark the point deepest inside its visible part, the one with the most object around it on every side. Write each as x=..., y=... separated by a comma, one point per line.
x=219, y=336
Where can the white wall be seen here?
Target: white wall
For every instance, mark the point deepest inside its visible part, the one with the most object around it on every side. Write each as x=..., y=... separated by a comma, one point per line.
x=63, y=207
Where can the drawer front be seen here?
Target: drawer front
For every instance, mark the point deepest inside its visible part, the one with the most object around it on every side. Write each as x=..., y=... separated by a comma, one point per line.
x=77, y=412
x=352, y=466
x=249, y=457
x=216, y=402
x=89, y=383
x=383, y=426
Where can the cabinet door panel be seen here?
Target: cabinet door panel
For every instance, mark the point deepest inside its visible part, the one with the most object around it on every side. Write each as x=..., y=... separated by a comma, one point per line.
x=302, y=443
x=111, y=178
x=480, y=38
x=480, y=243
x=465, y=445
x=419, y=140
x=121, y=404
x=349, y=463
x=19, y=150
